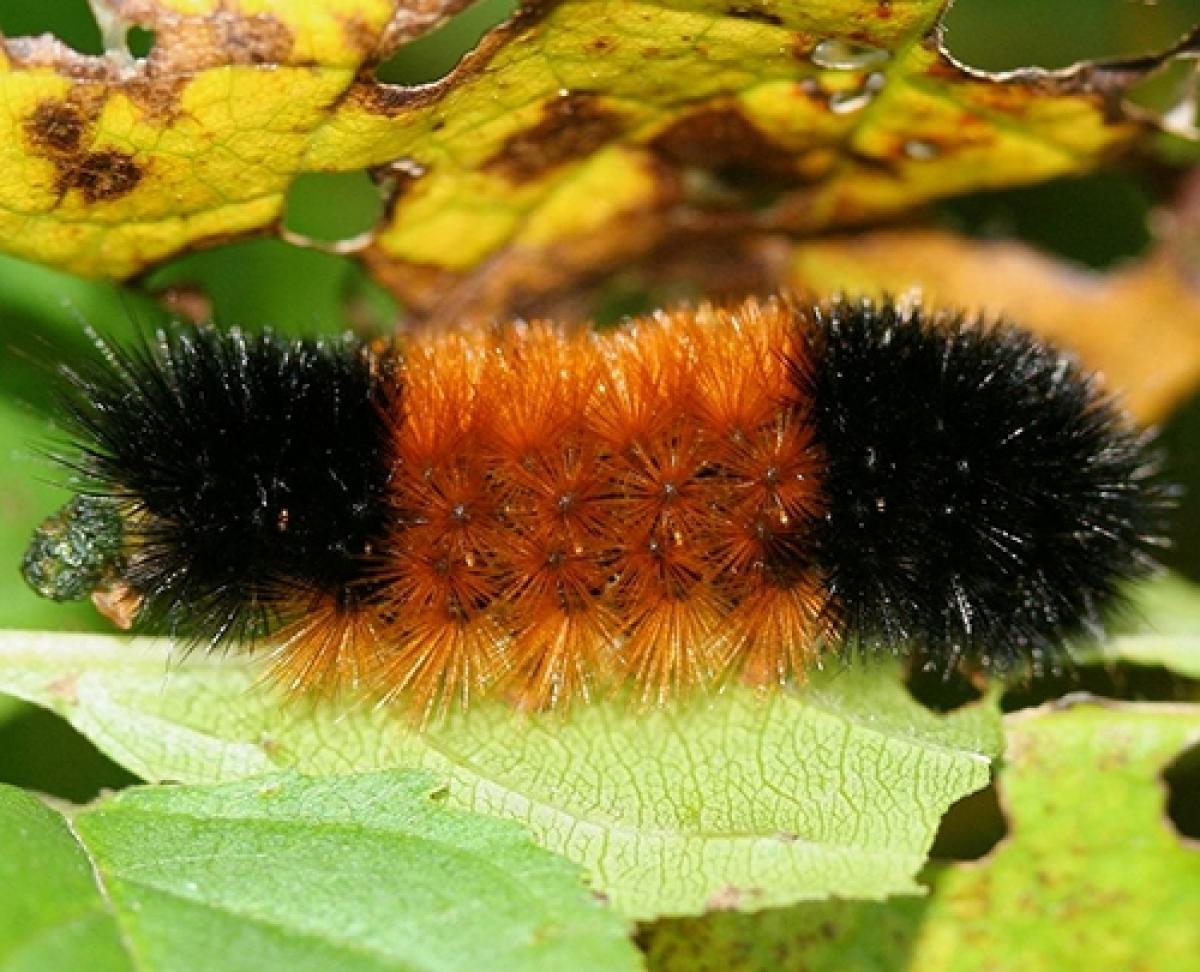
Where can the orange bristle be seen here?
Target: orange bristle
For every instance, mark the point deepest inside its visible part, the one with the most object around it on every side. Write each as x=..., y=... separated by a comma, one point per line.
x=674, y=642
x=578, y=513
x=329, y=647
x=774, y=632
x=553, y=599
x=439, y=658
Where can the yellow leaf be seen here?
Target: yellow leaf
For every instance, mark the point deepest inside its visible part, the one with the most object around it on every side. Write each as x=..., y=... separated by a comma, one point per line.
x=579, y=136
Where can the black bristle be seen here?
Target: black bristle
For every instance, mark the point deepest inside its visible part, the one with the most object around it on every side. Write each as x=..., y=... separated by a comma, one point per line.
x=252, y=466
x=985, y=499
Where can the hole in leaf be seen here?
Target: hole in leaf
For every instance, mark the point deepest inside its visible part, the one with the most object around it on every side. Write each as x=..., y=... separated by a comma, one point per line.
x=939, y=690
x=332, y=206
x=1167, y=92
x=139, y=41
x=1182, y=779
x=71, y=21
x=1130, y=683
x=971, y=828
x=1019, y=33
x=433, y=56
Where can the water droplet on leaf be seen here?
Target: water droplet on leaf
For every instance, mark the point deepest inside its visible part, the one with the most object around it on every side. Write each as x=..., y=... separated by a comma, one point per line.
x=841, y=55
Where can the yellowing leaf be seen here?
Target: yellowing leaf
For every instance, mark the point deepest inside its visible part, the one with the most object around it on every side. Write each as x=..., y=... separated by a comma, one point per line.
x=110, y=164
x=582, y=134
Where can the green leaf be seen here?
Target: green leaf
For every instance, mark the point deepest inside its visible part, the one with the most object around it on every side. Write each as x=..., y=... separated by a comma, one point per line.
x=26, y=499
x=9, y=708
x=735, y=800
x=1092, y=875
x=51, y=912
x=356, y=873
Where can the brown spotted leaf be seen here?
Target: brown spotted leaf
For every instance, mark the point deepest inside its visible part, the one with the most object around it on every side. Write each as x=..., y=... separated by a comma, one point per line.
x=109, y=164
x=587, y=133
x=577, y=137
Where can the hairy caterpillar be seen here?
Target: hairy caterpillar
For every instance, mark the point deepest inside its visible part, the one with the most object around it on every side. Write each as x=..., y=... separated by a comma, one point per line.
x=702, y=494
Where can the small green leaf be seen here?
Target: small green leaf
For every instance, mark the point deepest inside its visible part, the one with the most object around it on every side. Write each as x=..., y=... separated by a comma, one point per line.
x=27, y=498
x=727, y=801
x=356, y=873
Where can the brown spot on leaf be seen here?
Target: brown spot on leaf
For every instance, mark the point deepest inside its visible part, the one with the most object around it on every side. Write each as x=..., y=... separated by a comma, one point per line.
x=602, y=45
x=56, y=127
x=731, y=898
x=258, y=39
x=721, y=138
x=157, y=97
x=190, y=44
x=746, y=11
x=100, y=176
x=572, y=127
x=883, y=9
x=66, y=688
x=360, y=35
x=388, y=99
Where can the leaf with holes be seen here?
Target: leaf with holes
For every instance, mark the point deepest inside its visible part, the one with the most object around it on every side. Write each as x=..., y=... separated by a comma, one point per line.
x=358, y=873
x=581, y=134
x=1092, y=871
x=731, y=801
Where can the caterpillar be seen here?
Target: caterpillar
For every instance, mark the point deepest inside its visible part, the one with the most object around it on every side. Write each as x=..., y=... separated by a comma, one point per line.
x=703, y=494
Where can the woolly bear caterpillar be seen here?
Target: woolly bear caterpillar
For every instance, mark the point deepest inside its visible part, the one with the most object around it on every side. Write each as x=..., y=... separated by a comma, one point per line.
x=704, y=493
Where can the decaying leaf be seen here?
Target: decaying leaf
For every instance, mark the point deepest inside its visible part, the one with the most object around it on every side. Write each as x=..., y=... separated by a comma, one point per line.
x=1137, y=324
x=577, y=136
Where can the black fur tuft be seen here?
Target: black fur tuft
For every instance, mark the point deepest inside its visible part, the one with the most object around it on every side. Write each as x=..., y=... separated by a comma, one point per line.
x=253, y=466
x=985, y=500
